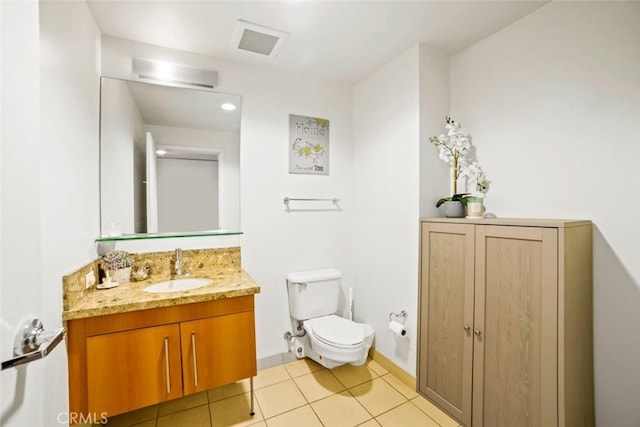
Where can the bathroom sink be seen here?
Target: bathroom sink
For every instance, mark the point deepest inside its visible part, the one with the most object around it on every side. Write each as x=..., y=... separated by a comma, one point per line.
x=177, y=285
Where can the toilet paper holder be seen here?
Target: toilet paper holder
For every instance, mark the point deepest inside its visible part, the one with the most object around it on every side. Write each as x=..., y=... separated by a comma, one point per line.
x=400, y=317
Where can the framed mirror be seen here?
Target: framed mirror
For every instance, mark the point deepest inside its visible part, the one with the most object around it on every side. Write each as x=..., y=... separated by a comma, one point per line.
x=169, y=159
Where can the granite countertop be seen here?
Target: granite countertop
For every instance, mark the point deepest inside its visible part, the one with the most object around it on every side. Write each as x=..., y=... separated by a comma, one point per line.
x=129, y=296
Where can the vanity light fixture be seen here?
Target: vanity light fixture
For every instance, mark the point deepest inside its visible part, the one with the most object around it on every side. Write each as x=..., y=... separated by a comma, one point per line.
x=167, y=72
x=227, y=106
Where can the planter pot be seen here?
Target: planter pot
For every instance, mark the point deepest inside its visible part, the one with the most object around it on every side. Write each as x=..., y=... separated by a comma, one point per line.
x=454, y=209
x=475, y=208
x=120, y=275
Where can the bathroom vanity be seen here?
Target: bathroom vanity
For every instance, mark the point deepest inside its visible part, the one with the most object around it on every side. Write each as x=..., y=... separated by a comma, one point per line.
x=128, y=349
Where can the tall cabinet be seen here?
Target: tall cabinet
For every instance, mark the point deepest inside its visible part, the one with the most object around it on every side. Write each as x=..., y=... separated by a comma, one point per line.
x=506, y=329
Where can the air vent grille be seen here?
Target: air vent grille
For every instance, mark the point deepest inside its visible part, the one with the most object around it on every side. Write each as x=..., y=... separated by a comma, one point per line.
x=256, y=42
x=257, y=39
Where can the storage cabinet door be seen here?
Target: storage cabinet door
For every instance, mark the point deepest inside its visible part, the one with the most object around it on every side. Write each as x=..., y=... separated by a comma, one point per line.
x=218, y=350
x=446, y=316
x=133, y=369
x=515, y=349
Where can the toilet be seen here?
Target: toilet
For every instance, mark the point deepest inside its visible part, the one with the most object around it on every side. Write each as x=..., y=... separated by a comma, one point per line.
x=321, y=334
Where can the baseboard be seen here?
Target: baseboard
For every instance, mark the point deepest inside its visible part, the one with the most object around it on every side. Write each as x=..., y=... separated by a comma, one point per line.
x=275, y=360
x=283, y=358
x=405, y=377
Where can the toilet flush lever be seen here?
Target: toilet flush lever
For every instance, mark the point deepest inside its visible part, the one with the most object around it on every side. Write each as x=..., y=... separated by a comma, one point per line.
x=33, y=342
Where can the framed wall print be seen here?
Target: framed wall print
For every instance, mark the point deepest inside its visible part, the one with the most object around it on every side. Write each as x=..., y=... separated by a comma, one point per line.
x=308, y=145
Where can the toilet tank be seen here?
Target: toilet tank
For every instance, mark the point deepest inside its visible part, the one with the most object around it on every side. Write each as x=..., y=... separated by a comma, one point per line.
x=313, y=293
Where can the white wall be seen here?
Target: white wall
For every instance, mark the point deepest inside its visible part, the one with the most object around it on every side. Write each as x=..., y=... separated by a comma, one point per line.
x=229, y=143
x=434, y=107
x=386, y=135
x=553, y=103
x=274, y=242
x=187, y=195
x=139, y=185
x=49, y=199
x=22, y=392
x=69, y=100
x=398, y=177
x=121, y=127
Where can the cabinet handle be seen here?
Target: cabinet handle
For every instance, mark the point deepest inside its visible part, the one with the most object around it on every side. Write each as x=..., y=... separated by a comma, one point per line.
x=477, y=332
x=166, y=363
x=467, y=328
x=195, y=359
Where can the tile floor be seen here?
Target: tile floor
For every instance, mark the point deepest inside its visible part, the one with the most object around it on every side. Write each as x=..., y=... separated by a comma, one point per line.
x=299, y=394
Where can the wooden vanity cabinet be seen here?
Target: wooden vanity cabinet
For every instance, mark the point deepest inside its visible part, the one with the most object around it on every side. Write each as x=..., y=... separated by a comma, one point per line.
x=506, y=321
x=133, y=369
x=205, y=362
x=122, y=362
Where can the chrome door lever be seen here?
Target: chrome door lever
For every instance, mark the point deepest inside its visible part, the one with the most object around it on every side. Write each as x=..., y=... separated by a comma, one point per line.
x=33, y=342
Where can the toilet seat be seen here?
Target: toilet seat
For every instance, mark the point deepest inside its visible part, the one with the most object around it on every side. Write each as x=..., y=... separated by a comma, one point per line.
x=333, y=341
x=336, y=331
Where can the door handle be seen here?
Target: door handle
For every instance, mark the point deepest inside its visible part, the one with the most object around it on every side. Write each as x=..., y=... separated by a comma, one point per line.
x=166, y=363
x=33, y=343
x=195, y=359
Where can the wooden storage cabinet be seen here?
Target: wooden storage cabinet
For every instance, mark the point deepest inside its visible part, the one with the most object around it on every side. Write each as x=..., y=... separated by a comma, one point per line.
x=506, y=321
x=121, y=362
x=446, y=317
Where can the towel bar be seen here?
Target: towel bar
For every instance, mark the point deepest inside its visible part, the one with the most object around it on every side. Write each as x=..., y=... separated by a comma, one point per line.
x=332, y=200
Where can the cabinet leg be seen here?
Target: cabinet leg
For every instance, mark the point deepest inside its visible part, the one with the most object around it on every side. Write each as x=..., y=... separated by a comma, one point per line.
x=252, y=413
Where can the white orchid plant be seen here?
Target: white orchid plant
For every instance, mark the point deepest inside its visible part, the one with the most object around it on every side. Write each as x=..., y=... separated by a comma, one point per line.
x=456, y=149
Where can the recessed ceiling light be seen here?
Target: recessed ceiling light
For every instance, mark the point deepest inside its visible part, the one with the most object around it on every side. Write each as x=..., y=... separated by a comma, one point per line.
x=161, y=152
x=228, y=106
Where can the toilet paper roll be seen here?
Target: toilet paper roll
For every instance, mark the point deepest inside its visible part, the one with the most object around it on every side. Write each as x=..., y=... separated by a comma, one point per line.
x=397, y=328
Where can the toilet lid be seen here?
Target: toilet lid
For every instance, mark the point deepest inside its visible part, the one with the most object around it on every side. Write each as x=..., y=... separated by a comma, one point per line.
x=336, y=330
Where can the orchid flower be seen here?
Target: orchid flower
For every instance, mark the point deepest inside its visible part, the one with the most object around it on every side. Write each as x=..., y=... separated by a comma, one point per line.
x=454, y=149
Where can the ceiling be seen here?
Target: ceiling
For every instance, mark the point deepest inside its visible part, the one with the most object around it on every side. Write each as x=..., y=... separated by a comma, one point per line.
x=185, y=108
x=339, y=41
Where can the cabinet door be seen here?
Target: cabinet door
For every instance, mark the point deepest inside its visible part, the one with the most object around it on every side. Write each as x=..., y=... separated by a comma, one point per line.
x=218, y=350
x=133, y=369
x=446, y=316
x=515, y=327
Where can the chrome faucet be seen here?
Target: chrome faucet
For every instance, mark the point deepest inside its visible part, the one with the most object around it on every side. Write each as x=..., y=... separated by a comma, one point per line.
x=178, y=263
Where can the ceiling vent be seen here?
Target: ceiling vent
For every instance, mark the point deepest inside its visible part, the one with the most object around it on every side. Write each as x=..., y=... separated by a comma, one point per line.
x=257, y=39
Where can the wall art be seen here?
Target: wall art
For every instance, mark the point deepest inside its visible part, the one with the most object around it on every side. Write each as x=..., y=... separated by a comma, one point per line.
x=308, y=145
